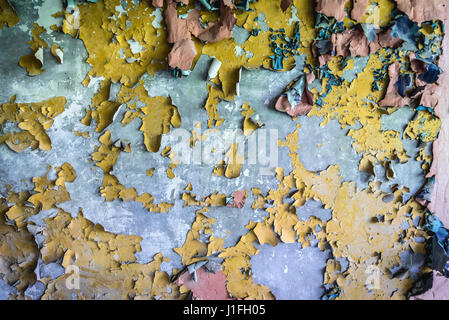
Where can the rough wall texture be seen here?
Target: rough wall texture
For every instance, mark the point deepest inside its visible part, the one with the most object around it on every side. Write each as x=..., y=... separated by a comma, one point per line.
x=215, y=150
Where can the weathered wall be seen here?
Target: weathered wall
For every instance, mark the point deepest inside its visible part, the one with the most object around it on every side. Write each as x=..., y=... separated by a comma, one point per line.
x=97, y=180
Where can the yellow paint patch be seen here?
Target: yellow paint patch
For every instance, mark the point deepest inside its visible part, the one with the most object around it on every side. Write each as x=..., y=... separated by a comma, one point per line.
x=7, y=15
x=18, y=253
x=106, y=263
x=158, y=115
x=424, y=126
x=34, y=119
x=234, y=164
x=249, y=126
x=194, y=249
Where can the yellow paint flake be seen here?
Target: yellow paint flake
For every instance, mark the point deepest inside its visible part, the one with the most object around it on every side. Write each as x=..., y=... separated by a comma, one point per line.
x=237, y=266
x=264, y=233
x=7, y=14
x=166, y=151
x=84, y=134
x=355, y=231
x=101, y=109
x=367, y=164
x=49, y=192
x=426, y=158
x=18, y=253
x=170, y=173
x=150, y=172
x=215, y=200
x=259, y=201
x=219, y=170
x=18, y=249
x=37, y=42
x=57, y=52
x=259, y=45
x=352, y=233
x=356, y=101
x=33, y=62
x=381, y=144
x=234, y=164
x=424, y=126
x=215, y=96
x=194, y=249
x=96, y=29
x=65, y=173
x=34, y=119
x=20, y=211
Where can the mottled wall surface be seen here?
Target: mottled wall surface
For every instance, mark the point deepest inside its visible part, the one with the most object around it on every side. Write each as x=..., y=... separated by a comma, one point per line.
x=265, y=151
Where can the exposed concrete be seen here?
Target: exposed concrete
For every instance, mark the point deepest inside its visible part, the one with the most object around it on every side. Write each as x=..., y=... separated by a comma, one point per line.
x=290, y=272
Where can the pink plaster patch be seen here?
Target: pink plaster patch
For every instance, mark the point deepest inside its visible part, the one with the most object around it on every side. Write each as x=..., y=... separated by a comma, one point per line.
x=209, y=286
x=439, y=291
x=332, y=8
x=392, y=97
x=420, y=11
x=239, y=198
